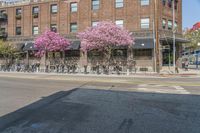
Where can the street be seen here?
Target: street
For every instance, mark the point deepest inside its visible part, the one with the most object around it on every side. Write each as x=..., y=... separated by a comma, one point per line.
x=34, y=103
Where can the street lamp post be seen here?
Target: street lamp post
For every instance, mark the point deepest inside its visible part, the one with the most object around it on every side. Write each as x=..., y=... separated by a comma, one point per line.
x=174, y=38
x=197, y=58
x=156, y=36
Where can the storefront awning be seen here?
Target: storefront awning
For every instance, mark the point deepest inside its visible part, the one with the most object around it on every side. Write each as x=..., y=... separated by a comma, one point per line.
x=143, y=44
x=29, y=46
x=178, y=40
x=75, y=45
x=18, y=47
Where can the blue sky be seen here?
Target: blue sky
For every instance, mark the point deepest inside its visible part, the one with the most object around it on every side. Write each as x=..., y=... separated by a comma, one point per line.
x=191, y=12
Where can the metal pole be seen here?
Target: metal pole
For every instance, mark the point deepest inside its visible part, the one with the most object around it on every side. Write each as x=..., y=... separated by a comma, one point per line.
x=174, y=38
x=197, y=61
x=169, y=58
x=154, y=46
x=157, y=36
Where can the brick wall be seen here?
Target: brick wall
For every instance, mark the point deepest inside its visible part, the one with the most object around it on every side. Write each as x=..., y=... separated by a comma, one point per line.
x=131, y=13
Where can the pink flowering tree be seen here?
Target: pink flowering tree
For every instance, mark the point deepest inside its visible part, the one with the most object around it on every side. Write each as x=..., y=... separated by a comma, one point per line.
x=104, y=37
x=50, y=41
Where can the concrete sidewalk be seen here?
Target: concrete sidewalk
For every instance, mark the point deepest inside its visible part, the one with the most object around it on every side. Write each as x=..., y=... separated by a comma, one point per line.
x=182, y=73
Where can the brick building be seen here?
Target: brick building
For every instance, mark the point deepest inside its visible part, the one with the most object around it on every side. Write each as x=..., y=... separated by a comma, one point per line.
x=21, y=22
x=196, y=26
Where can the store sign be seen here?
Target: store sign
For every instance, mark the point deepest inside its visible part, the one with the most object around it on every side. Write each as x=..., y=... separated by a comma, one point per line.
x=13, y=2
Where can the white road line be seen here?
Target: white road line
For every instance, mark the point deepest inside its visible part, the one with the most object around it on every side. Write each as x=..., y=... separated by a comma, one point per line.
x=142, y=85
x=178, y=87
x=148, y=88
x=181, y=90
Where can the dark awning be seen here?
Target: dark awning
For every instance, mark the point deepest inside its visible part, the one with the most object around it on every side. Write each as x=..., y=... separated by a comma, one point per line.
x=29, y=46
x=75, y=45
x=18, y=46
x=143, y=43
x=178, y=40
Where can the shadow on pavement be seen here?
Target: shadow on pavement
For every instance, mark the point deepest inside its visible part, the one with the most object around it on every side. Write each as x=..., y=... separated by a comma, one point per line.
x=85, y=110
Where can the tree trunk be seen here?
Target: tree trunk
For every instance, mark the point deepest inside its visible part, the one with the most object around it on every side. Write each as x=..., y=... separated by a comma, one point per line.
x=107, y=56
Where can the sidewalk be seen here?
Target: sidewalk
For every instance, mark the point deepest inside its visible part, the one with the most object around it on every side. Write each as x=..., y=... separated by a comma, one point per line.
x=165, y=73
x=182, y=72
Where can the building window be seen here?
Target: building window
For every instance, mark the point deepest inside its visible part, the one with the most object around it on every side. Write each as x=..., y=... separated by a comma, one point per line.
x=94, y=23
x=18, y=30
x=3, y=30
x=169, y=24
x=120, y=53
x=18, y=11
x=164, y=2
x=95, y=4
x=144, y=54
x=35, y=30
x=53, y=27
x=73, y=27
x=2, y=12
x=119, y=23
x=119, y=3
x=176, y=4
x=54, y=8
x=175, y=25
x=145, y=23
x=72, y=53
x=144, y=2
x=35, y=9
x=170, y=3
x=35, y=12
x=164, y=23
x=73, y=7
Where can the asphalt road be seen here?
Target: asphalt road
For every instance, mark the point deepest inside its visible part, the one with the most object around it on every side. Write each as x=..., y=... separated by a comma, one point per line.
x=35, y=105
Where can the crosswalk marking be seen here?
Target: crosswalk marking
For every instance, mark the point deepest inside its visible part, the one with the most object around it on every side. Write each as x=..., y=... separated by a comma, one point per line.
x=165, y=89
x=178, y=87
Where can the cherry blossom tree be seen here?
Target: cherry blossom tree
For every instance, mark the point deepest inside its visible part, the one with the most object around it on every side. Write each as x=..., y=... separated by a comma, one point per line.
x=104, y=37
x=50, y=41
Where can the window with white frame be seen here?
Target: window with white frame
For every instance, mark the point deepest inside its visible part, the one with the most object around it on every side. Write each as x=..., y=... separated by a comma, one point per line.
x=74, y=7
x=18, y=30
x=175, y=25
x=73, y=27
x=54, y=8
x=144, y=2
x=119, y=23
x=35, y=10
x=169, y=24
x=119, y=3
x=53, y=27
x=35, y=30
x=164, y=23
x=94, y=23
x=145, y=23
x=18, y=11
x=95, y=4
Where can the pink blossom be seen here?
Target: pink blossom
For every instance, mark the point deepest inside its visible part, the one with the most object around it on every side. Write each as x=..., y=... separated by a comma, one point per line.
x=105, y=34
x=50, y=41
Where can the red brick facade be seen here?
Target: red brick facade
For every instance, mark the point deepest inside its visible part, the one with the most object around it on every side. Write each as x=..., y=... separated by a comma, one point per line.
x=131, y=13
